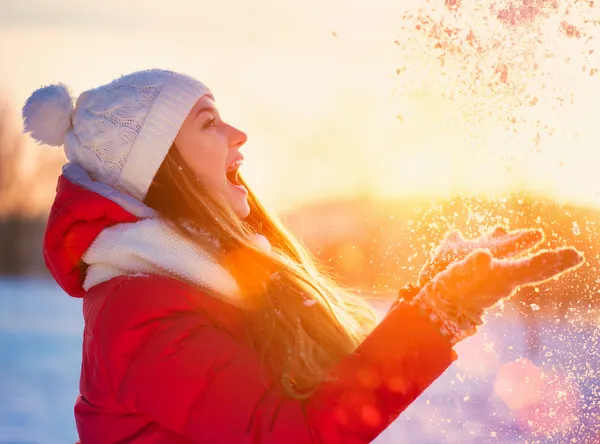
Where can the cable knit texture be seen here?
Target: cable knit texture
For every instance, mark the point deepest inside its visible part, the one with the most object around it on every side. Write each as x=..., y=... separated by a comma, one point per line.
x=119, y=132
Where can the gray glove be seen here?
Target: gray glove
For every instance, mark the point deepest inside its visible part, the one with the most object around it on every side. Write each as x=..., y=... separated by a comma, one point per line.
x=458, y=296
x=500, y=243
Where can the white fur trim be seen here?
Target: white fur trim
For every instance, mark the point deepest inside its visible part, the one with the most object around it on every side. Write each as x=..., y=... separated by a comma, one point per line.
x=152, y=246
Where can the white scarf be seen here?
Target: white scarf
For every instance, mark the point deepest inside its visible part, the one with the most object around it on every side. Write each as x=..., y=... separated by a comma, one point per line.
x=151, y=246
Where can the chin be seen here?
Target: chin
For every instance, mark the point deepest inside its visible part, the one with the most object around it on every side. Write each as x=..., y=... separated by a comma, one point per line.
x=242, y=210
x=237, y=197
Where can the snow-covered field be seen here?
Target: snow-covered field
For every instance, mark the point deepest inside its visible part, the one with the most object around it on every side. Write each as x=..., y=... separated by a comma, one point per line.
x=496, y=392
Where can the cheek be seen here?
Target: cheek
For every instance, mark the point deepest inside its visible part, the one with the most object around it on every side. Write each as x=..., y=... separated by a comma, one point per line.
x=207, y=167
x=203, y=157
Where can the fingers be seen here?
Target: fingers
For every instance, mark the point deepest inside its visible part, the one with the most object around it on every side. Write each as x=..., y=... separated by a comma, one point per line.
x=451, y=248
x=464, y=275
x=453, y=236
x=541, y=266
x=480, y=280
x=503, y=244
x=500, y=243
x=509, y=274
x=453, y=245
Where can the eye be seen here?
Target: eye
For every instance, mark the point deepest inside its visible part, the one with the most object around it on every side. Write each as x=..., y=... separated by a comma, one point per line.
x=212, y=123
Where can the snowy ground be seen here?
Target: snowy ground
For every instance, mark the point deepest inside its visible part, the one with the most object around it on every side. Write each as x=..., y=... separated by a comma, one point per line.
x=487, y=396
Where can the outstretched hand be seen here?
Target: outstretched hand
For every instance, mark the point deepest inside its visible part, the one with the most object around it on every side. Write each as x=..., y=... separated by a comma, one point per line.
x=470, y=285
x=500, y=243
x=454, y=247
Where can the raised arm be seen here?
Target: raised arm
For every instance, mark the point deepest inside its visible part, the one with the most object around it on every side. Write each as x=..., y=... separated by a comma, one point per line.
x=197, y=380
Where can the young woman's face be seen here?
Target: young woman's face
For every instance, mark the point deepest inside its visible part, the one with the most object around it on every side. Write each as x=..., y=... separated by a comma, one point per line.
x=211, y=149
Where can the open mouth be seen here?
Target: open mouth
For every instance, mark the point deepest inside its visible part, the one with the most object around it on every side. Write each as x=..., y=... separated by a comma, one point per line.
x=232, y=174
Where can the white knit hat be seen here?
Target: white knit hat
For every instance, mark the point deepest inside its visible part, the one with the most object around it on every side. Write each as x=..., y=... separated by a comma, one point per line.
x=121, y=132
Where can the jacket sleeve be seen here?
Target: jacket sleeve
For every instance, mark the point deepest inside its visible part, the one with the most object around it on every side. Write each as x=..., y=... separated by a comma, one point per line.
x=195, y=379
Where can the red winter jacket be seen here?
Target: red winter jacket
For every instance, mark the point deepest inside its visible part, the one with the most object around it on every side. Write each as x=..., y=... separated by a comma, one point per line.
x=165, y=363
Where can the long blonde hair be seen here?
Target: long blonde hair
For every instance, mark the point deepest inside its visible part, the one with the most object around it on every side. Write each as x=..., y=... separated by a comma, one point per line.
x=302, y=323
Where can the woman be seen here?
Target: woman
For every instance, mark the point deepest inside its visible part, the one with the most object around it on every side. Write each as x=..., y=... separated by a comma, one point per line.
x=207, y=322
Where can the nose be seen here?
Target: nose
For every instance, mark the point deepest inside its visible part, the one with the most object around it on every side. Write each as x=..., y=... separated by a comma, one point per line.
x=237, y=138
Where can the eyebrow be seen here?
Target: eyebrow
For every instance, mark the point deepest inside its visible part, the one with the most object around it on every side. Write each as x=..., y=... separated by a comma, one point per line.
x=204, y=109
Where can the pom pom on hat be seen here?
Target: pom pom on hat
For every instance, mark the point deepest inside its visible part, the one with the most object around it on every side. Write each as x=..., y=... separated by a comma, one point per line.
x=47, y=114
x=120, y=132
